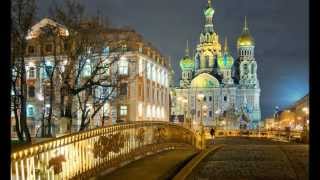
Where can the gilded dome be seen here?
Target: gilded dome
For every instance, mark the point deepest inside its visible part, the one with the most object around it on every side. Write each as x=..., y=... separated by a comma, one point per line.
x=186, y=63
x=245, y=38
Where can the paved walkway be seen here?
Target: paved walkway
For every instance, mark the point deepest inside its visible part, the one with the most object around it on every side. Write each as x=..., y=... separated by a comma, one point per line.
x=159, y=166
x=248, y=158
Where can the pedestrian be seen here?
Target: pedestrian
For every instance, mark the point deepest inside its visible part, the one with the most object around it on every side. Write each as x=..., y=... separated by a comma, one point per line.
x=212, y=135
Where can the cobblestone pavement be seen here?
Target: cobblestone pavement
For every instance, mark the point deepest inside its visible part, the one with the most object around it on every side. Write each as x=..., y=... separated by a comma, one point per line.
x=245, y=159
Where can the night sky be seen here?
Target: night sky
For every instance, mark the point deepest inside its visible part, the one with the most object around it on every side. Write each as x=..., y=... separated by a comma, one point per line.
x=280, y=29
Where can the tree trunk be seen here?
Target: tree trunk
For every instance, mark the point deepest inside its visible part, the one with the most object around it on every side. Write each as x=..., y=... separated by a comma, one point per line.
x=68, y=111
x=23, y=101
x=51, y=98
x=17, y=128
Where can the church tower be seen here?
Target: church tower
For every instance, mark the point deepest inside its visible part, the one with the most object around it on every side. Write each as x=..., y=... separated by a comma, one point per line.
x=249, y=89
x=225, y=63
x=209, y=47
x=187, y=67
x=247, y=63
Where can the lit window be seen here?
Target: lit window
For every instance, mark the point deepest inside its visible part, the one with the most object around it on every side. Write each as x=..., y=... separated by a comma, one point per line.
x=123, y=67
x=87, y=68
x=106, y=108
x=105, y=51
x=153, y=73
x=140, y=109
x=32, y=72
x=30, y=111
x=149, y=71
x=148, y=111
x=141, y=66
x=47, y=108
x=123, y=110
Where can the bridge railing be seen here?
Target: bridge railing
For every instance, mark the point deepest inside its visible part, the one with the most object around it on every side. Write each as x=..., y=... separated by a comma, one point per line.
x=280, y=134
x=83, y=154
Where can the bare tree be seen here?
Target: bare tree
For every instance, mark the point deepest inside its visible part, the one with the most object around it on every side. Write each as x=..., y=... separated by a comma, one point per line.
x=22, y=17
x=50, y=33
x=85, y=46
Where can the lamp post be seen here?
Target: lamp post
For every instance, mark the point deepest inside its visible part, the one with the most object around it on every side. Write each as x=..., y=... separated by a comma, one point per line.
x=202, y=133
x=218, y=115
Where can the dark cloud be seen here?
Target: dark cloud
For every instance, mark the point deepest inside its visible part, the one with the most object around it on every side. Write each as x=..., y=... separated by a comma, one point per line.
x=280, y=29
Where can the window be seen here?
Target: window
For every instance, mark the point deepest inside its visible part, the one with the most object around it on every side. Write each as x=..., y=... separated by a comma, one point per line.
x=207, y=62
x=32, y=72
x=204, y=98
x=210, y=98
x=123, y=89
x=140, y=109
x=123, y=67
x=141, y=67
x=30, y=49
x=65, y=46
x=31, y=91
x=123, y=110
x=48, y=48
x=47, y=108
x=87, y=68
x=30, y=111
x=225, y=98
x=149, y=71
x=140, y=90
x=153, y=73
x=210, y=113
x=105, y=51
x=198, y=113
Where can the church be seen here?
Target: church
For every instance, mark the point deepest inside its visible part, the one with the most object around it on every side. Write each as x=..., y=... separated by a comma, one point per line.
x=228, y=87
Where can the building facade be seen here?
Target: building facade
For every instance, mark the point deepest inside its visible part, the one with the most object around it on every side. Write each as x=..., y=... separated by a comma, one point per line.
x=139, y=70
x=229, y=86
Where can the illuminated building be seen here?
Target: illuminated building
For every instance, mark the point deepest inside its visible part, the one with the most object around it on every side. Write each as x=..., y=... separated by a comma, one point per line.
x=142, y=94
x=295, y=117
x=229, y=85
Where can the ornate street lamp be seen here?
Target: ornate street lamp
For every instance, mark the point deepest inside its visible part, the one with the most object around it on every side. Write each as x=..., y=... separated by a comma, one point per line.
x=202, y=133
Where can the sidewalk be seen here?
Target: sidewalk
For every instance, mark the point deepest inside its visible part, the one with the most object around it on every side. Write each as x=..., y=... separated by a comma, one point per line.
x=159, y=166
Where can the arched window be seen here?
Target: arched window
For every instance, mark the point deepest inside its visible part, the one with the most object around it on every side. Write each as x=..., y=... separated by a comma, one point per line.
x=197, y=61
x=207, y=61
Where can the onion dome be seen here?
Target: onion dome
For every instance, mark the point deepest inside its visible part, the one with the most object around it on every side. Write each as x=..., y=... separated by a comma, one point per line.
x=209, y=11
x=225, y=61
x=186, y=63
x=245, y=38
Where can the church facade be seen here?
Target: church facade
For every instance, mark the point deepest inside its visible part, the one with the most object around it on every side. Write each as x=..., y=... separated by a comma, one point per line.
x=228, y=87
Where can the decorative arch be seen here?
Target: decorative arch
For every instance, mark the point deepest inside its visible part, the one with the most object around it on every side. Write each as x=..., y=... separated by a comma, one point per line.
x=204, y=80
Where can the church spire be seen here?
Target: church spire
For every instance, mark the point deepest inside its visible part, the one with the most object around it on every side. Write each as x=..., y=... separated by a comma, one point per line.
x=245, y=27
x=225, y=45
x=187, y=49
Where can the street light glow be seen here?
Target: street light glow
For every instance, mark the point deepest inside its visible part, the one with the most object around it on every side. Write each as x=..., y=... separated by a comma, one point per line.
x=200, y=97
